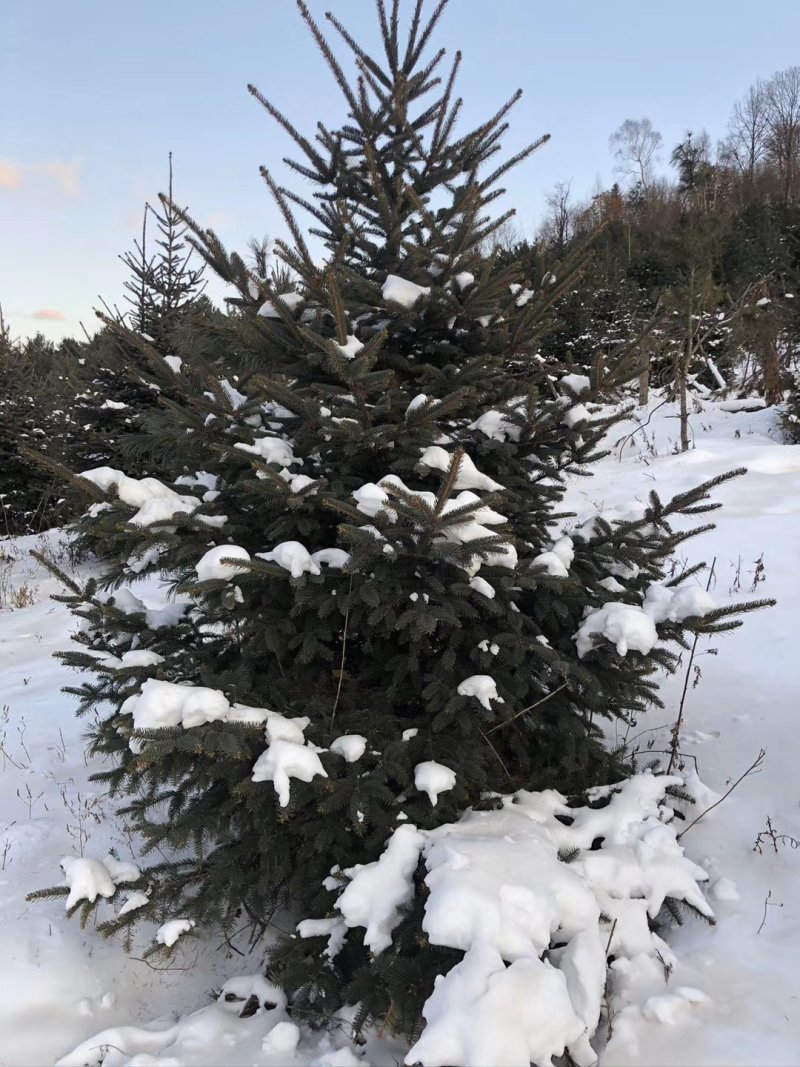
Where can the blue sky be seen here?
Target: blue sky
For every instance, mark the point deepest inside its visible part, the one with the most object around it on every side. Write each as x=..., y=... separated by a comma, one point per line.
x=94, y=95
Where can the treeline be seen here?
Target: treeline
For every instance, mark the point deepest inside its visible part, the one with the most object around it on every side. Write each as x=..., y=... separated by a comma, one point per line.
x=693, y=275
x=95, y=402
x=688, y=282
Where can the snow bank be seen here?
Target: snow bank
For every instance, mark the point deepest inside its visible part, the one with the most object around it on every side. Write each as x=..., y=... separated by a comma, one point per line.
x=534, y=925
x=483, y=1012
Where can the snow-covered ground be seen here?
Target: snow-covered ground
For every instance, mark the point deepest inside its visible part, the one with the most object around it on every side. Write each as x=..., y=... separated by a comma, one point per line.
x=60, y=985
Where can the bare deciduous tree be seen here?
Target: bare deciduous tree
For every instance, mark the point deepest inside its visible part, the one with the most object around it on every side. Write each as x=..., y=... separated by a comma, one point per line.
x=783, y=137
x=559, y=223
x=748, y=130
x=635, y=146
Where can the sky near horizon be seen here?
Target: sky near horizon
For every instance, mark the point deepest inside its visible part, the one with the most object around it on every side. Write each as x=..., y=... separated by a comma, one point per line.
x=93, y=96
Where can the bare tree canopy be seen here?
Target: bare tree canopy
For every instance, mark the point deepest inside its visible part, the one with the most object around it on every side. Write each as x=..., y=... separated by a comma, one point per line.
x=783, y=136
x=635, y=146
x=748, y=128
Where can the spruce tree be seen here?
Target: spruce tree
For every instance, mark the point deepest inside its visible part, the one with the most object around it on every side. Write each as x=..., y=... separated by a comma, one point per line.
x=365, y=554
x=130, y=365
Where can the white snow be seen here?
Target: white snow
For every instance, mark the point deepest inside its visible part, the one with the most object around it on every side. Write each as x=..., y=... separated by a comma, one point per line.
x=469, y=477
x=155, y=501
x=576, y=383
x=376, y=891
x=271, y=450
x=282, y=1039
x=331, y=557
x=677, y=603
x=750, y=403
x=496, y=426
x=289, y=300
x=350, y=747
x=351, y=348
x=372, y=499
x=139, y=657
x=419, y=401
x=135, y=899
x=401, y=291
x=213, y=564
x=433, y=778
x=284, y=760
x=628, y=626
x=293, y=557
x=51, y=969
x=87, y=879
x=169, y=933
x=483, y=1012
x=334, y=929
x=558, y=558
x=480, y=585
x=160, y=704
x=485, y=646
x=576, y=414
x=483, y=687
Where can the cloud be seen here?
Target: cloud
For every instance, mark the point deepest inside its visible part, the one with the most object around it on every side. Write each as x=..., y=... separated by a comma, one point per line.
x=10, y=175
x=61, y=173
x=49, y=315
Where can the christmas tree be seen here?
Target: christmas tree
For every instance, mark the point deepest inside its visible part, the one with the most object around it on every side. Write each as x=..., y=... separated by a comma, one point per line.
x=377, y=619
x=129, y=366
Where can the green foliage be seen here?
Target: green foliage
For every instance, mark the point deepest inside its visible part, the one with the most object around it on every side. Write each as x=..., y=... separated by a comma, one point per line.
x=341, y=418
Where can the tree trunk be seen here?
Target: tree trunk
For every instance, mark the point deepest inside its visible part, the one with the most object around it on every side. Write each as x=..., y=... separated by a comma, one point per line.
x=644, y=380
x=684, y=365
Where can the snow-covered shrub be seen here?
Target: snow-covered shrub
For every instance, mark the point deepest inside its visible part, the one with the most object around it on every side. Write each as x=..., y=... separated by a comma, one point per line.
x=379, y=625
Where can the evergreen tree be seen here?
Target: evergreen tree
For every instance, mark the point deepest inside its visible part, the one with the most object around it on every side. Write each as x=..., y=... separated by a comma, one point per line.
x=37, y=383
x=131, y=363
x=364, y=553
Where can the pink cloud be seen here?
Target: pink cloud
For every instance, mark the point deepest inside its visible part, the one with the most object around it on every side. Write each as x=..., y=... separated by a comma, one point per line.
x=49, y=315
x=61, y=173
x=10, y=175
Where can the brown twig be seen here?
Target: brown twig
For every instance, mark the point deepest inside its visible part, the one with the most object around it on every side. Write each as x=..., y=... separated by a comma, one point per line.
x=499, y=757
x=676, y=729
x=524, y=711
x=752, y=769
x=344, y=653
